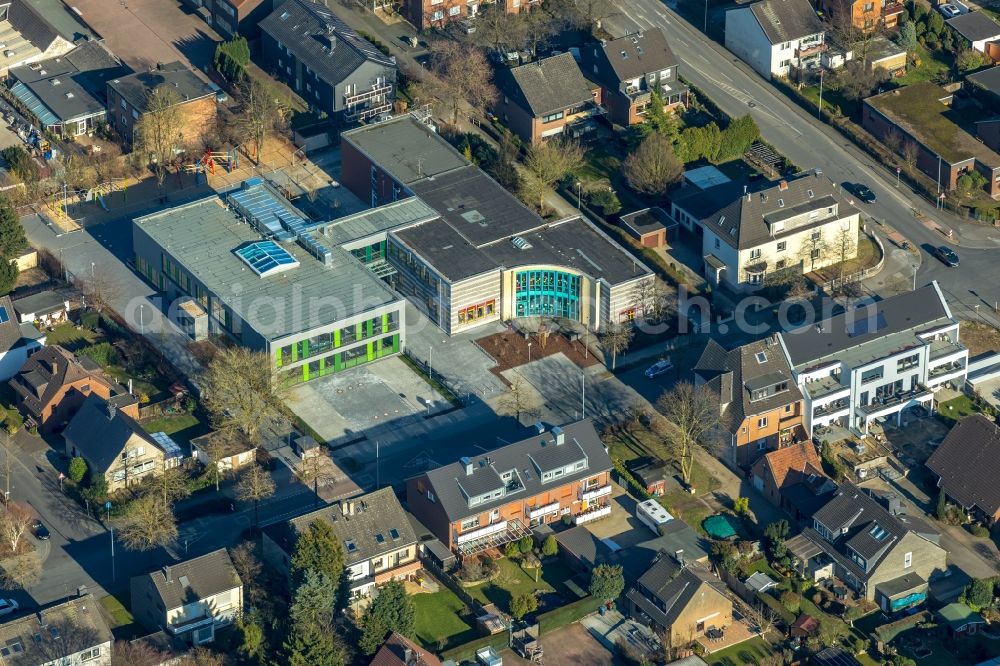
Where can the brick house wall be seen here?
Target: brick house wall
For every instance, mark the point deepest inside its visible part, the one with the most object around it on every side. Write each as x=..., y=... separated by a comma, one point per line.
x=356, y=175
x=197, y=118
x=750, y=432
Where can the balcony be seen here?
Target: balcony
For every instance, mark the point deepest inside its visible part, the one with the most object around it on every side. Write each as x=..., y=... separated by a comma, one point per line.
x=831, y=408
x=490, y=537
x=826, y=386
x=592, y=514
x=594, y=493
x=893, y=8
x=946, y=372
x=888, y=404
x=810, y=50
x=376, y=92
x=943, y=349
x=543, y=511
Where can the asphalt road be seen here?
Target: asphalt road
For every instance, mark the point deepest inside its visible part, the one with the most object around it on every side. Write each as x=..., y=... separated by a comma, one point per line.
x=733, y=86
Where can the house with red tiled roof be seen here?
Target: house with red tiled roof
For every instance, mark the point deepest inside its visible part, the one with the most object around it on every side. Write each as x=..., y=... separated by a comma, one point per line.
x=792, y=478
x=398, y=650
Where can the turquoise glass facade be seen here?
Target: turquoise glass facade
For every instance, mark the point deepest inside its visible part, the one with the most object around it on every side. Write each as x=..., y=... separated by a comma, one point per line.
x=547, y=293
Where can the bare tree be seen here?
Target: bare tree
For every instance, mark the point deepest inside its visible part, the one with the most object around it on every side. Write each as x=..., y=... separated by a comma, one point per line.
x=893, y=141
x=100, y=288
x=909, y=154
x=260, y=112
x=653, y=300
x=218, y=447
x=20, y=571
x=520, y=400
x=497, y=29
x=14, y=524
x=148, y=523
x=249, y=568
x=849, y=30
x=318, y=470
x=761, y=615
x=692, y=411
x=463, y=76
x=137, y=652
x=254, y=485
x=168, y=483
x=202, y=656
x=813, y=249
x=551, y=161
x=158, y=131
x=845, y=243
x=239, y=391
x=615, y=339
x=653, y=167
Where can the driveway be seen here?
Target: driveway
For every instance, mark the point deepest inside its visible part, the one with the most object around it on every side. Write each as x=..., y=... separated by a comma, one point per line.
x=145, y=32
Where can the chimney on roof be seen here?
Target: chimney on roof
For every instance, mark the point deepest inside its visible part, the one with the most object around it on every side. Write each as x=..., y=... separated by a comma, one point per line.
x=111, y=410
x=166, y=573
x=679, y=556
x=539, y=427
x=782, y=185
x=407, y=655
x=467, y=462
x=350, y=508
x=558, y=435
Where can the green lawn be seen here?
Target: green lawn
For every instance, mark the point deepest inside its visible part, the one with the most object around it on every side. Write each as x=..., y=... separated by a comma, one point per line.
x=958, y=407
x=512, y=580
x=116, y=611
x=599, y=164
x=747, y=652
x=931, y=65
x=67, y=336
x=437, y=619
x=182, y=428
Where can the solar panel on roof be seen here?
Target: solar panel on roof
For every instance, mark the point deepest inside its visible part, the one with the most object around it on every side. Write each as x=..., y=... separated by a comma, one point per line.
x=267, y=258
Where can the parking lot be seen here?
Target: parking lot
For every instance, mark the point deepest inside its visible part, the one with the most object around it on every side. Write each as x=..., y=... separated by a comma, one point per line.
x=145, y=32
x=344, y=406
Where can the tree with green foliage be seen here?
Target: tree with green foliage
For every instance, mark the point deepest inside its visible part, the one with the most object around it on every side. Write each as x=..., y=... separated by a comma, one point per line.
x=971, y=181
x=741, y=506
x=526, y=544
x=314, y=600
x=254, y=645
x=12, y=238
x=659, y=119
x=907, y=37
x=550, y=546
x=522, y=604
x=317, y=549
x=776, y=533
x=942, y=506
x=607, y=581
x=312, y=645
x=232, y=59
x=605, y=200
x=77, y=469
x=738, y=136
x=392, y=610
x=512, y=550
x=696, y=143
x=8, y=276
x=21, y=164
x=935, y=24
x=979, y=593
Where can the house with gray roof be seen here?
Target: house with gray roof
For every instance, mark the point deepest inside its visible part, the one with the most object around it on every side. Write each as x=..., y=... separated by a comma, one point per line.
x=378, y=538
x=34, y=30
x=487, y=499
x=776, y=36
x=67, y=94
x=17, y=341
x=326, y=62
x=69, y=632
x=877, y=359
x=129, y=99
x=752, y=236
x=189, y=599
x=545, y=98
x=879, y=553
x=680, y=598
x=253, y=268
x=629, y=70
x=979, y=31
x=760, y=406
x=967, y=464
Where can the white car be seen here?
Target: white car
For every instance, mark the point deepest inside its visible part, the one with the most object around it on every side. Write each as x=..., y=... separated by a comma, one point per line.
x=8, y=606
x=949, y=10
x=659, y=368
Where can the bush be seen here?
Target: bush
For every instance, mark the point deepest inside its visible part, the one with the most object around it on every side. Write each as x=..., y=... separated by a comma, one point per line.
x=13, y=421
x=980, y=531
x=522, y=604
x=103, y=354
x=791, y=601
x=512, y=549
x=550, y=546
x=606, y=200
x=567, y=519
x=232, y=59
x=77, y=469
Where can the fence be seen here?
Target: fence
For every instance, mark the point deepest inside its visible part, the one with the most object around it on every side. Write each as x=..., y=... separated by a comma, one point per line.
x=568, y=614
x=858, y=276
x=467, y=651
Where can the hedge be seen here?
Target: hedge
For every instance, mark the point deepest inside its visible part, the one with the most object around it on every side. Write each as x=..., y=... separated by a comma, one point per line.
x=467, y=651
x=568, y=614
x=623, y=472
x=787, y=617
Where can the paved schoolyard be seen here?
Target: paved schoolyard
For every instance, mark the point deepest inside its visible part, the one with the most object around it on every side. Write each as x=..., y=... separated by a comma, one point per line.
x=145, y=32
x=348, y=404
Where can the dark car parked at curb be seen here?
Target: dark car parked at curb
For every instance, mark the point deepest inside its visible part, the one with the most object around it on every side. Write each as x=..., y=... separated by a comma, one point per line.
x=947, y=256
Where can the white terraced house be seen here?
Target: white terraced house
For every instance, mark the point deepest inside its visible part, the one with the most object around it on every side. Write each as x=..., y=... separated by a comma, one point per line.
x=876, y=361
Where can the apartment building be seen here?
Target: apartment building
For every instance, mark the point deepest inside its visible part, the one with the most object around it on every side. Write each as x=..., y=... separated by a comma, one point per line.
x=326, y=62
x=481, y=503
x=864, y=15
x=865, y=541
x=379, y=542
x=877, y=359
x=751, y=236
x=760, y=406
x=776, y=36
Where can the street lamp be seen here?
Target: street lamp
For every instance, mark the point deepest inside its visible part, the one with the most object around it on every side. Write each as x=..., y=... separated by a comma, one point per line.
x=430, y=364
x=578, y=186
x=898, y=170
x=107, y=506
x=819, y=108
x=529, y=352
x=141, y=308
x=914, y=278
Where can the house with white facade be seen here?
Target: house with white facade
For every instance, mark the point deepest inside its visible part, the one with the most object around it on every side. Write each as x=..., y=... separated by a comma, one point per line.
x=775, y=36
x=877, y=359
x=750, y=237
x=68, y=633
x=189, y=599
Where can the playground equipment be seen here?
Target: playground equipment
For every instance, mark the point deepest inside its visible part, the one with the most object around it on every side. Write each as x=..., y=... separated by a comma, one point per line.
x=228, y=160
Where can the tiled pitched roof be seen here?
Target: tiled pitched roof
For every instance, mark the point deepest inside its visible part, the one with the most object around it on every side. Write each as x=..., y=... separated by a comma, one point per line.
x=47, y=371
x=791, y=464
x=100, y=431
x=968, y=462
x=46, y=636
x=546, y=85
x=636, y=54
x=674, y=585
x=137, y=88
x=197, y=578
x=786, y=20
x=398, y=650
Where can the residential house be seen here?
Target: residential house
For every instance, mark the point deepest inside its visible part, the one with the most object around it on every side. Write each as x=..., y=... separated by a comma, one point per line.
x=46, y=307
x=34, y=30
x=753, y=236
x=776, y=37
x=879, y=554
x=967, y=464
x=189, y=599
x=876, y=360
x=760, y=406
x=229, y=451
x=479, y=504
x=979, y=31
x=920, y=114
x=69, y=633
x=67, y=95
x=398, y=650
x=239, y=17
x=115, y=446
x=545, y=98
x=681, y=599
x=129, y=99
x=17, y=341
x=379, y=541
x=864, y=15
x=629, y=70
x=792, y=478
x=52, y=384
x=326, y=62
